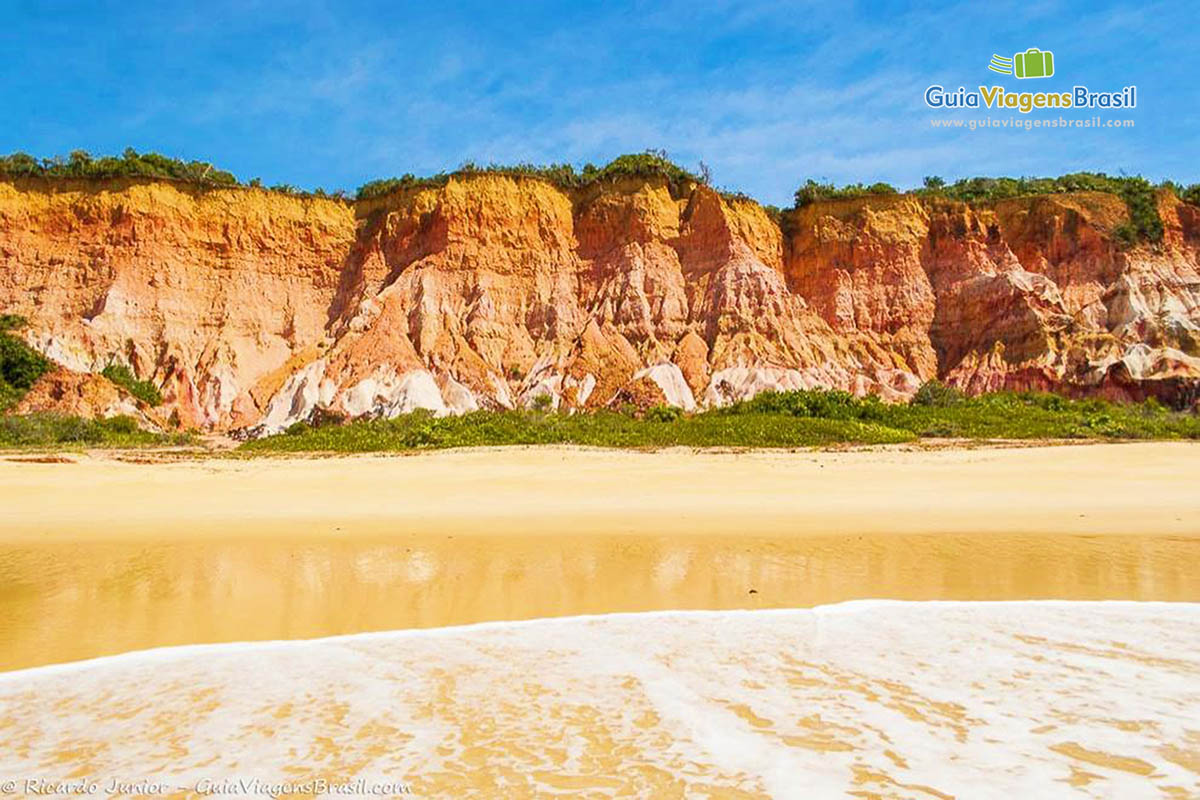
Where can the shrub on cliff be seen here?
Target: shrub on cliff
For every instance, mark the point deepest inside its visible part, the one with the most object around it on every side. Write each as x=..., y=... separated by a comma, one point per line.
x=386, y=186
x=1144, y=224
x=131, y=164
x=812, y=191
x=122, y=376
x=81, y=165
x=10, y=322
x=650, y=164
x=20, y=364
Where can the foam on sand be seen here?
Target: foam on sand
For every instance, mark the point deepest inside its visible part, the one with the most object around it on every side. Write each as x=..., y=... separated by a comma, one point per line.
x=883, y=699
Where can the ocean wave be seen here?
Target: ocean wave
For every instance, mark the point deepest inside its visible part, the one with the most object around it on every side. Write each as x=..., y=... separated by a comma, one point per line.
x=887, y=698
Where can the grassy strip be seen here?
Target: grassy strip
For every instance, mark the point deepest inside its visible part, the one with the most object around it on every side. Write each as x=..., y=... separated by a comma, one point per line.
x=944, y=412
x=773, y=419
x=599, y=429
x=56, y=430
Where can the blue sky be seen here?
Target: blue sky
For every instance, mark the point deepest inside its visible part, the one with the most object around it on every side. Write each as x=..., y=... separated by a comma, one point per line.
x=766, y=93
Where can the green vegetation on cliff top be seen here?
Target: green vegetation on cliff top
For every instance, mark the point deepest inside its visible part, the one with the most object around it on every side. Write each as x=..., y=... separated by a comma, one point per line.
x=1144, y=225
x=1137, y=192
x=651, y=164
x=81, y=165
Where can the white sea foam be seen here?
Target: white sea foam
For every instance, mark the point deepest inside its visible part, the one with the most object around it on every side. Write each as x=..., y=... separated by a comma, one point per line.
x=889, y=699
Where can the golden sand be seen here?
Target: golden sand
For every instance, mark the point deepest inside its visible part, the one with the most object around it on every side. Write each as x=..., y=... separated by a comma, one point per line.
x=1038, y=700
x=101, y=556
x=1090, y=489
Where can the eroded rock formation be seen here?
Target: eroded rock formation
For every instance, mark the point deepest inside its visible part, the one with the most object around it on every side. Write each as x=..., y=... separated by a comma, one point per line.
x=251, y=310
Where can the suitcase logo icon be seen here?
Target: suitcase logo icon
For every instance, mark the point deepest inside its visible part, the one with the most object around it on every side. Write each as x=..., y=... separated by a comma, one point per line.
x=1033, y=63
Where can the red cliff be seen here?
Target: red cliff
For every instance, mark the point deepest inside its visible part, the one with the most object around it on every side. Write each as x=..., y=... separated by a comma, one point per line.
x=252, y=309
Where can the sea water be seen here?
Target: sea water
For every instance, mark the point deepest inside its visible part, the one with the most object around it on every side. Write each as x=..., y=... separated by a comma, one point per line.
x=1036, y=699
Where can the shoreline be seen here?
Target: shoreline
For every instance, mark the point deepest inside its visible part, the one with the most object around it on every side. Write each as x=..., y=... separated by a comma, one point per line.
x=165, y=654
x=67, y=601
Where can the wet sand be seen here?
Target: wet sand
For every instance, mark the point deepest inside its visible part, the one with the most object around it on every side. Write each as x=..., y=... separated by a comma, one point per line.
x=101, y=557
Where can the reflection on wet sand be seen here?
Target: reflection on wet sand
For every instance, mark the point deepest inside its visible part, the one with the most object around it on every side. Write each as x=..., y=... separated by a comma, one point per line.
x=64, y=602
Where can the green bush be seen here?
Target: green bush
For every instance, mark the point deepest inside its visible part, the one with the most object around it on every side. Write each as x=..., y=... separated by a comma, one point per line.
x=131, y=164
x=20, y=364
x=814, y=403
x=1038, y=415
x=49, y=430
x=936, y=393
x=650, y=164
x=121, y=425
x=11, y=322
x=812, y=191
x=664, y=414
x=81, y=165
x=145, y=391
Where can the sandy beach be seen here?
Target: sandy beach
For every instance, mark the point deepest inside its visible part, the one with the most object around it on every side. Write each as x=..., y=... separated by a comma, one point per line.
x=744, y=681
x=1087, y=489
x=101, y=556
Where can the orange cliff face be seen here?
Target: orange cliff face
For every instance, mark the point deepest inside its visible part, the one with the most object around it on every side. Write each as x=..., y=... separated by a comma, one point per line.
x=251, y=309
x=206, y=294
